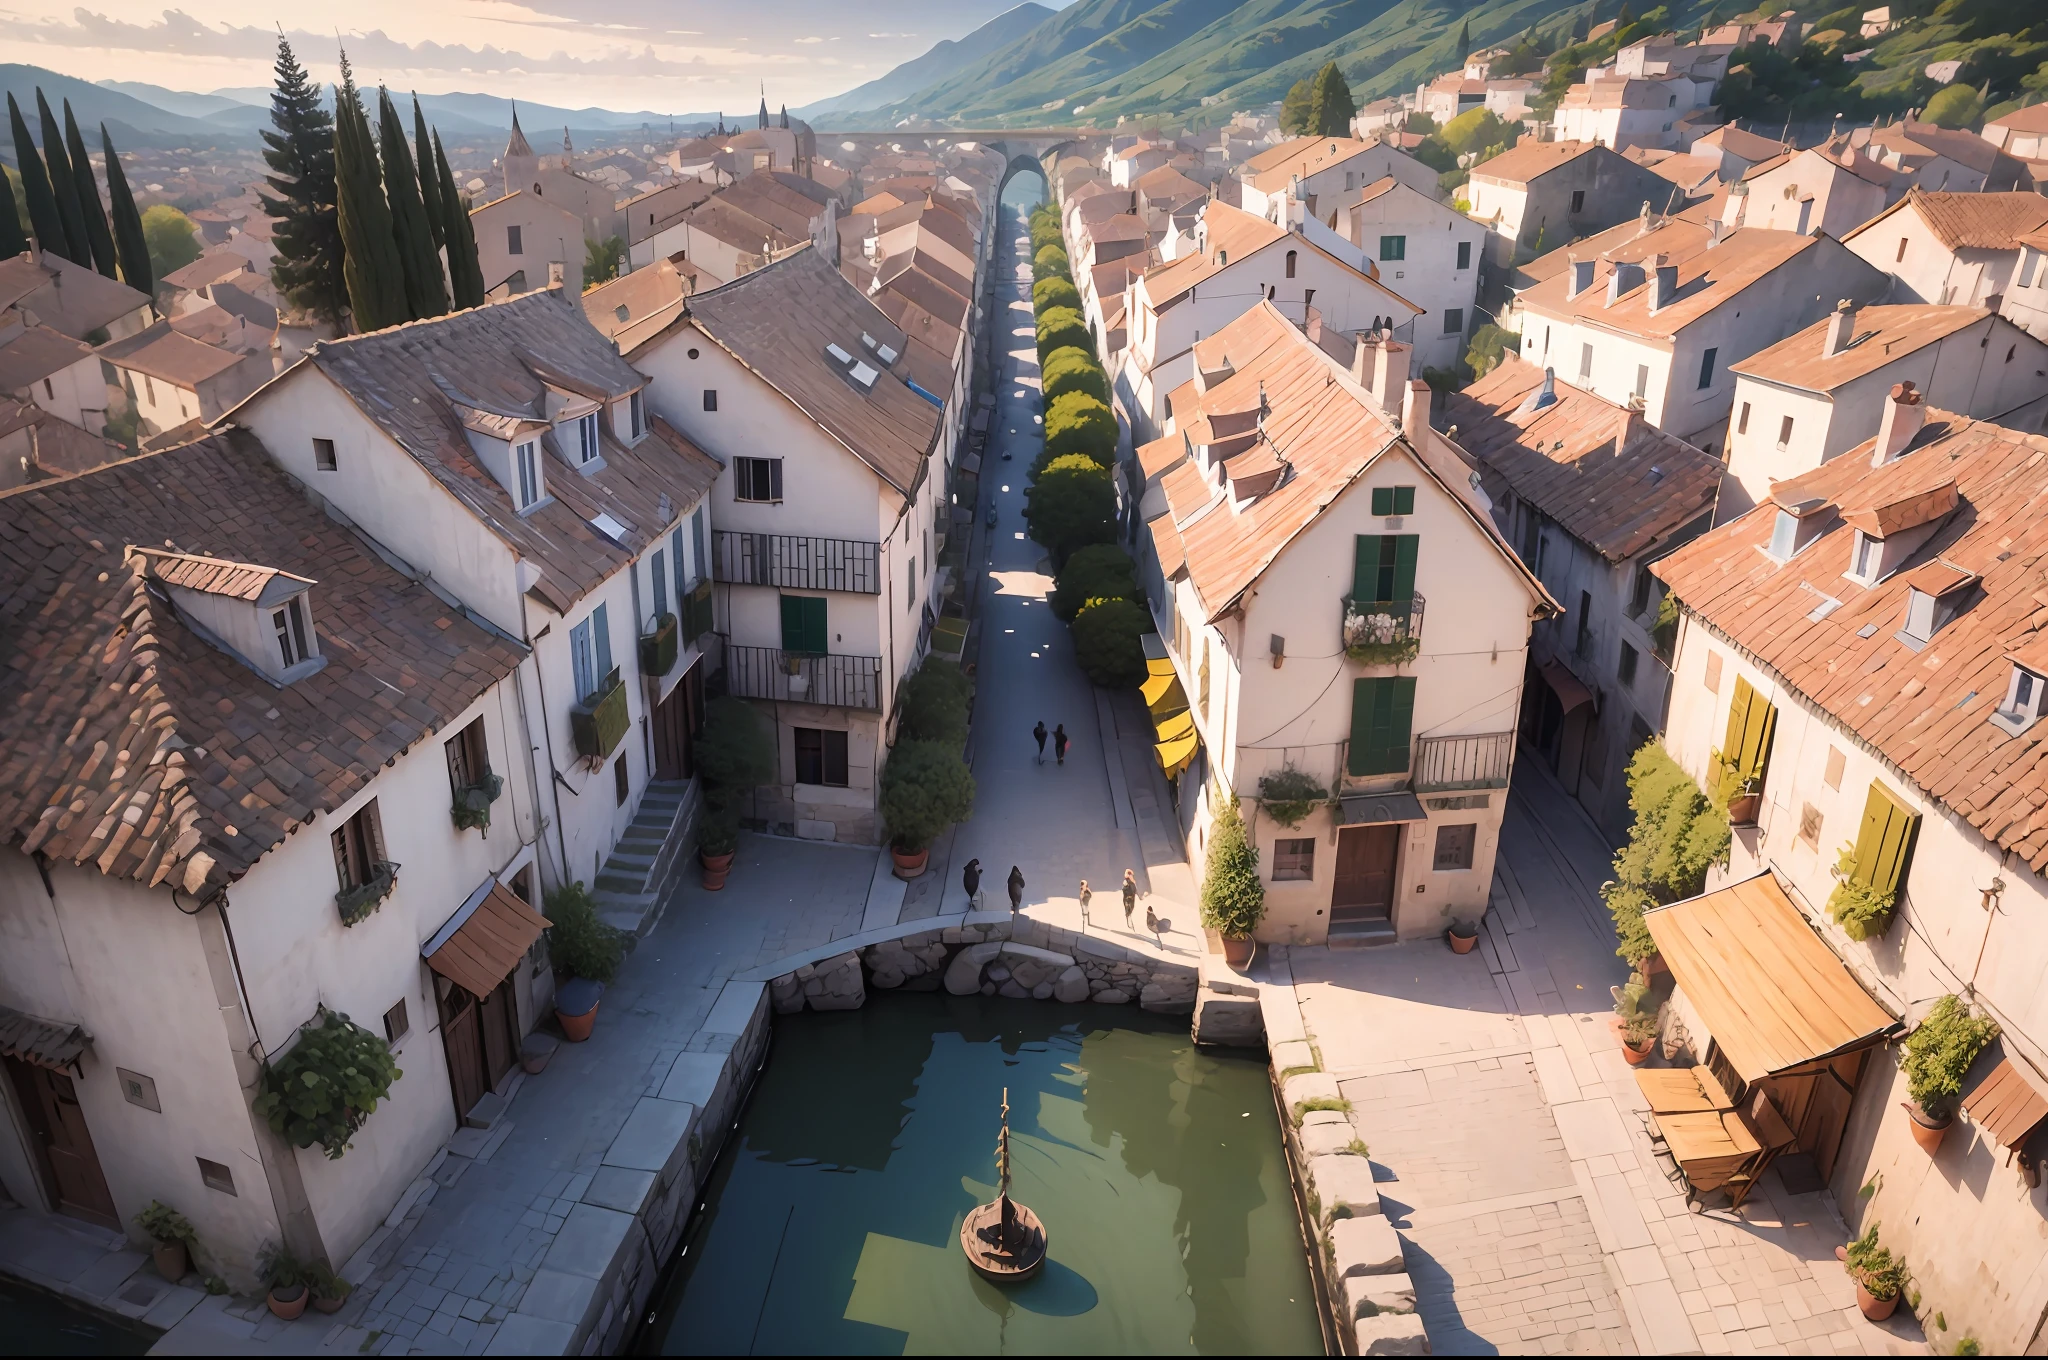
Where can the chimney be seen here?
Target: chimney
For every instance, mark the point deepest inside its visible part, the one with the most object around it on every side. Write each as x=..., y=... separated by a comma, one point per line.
x=554, y=273
x=1628, y=428
x=1717, y=232
x=1582, y=278
x=1841, y=329
x=1904, y=414
x=1415, y=403
x=1663, y=284
x=1624, y=276
x=1380, y=365
x=1737, y=210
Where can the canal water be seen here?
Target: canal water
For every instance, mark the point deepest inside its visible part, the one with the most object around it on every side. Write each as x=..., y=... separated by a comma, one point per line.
x=35, y=1323
x=832, y=1221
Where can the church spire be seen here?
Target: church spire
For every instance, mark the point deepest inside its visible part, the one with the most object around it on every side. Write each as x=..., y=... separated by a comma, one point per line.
x=764, y=106
x=517, y=146
x=785, y=117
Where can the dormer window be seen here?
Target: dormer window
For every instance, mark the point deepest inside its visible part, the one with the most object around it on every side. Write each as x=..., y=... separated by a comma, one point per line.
x=259, y=614
x=1920, y=616
x=290, y=624
x=584, y=438
x=1795, y=530
x=1935, y=592
x=636, y=415
x=2026, y=692
x=526, y=463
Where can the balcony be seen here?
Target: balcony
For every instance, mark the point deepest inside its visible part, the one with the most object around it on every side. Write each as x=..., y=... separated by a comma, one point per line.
x=600, y=722
x=1382, y=632
x=831, y=679
x=1443, y=764
x=796, y=562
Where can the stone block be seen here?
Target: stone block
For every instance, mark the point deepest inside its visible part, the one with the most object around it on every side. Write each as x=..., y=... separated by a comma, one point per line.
x=525, y=1334
x=1042, y=992
x=1344, y=1186
x=622, y=1188
x=1372, y=1295
x=1156, y=996
x=1013, y=991
x=963, y=974
x=1318, y=1139
x=1366, y=1246
x=1294, y=1054
x=1307, y=1086
x=486, y=1112
x=1229, y=1020
x=1071, y=986
x=695, y=1078
x=835, y=984
x=1112, y=996
x=592, y=1242
x=1391, y=1334
x=1311, y=1118
x=788, y=994
x=1016, y=950
x=655, y=1138
x=815, y=831
x=560, y=1297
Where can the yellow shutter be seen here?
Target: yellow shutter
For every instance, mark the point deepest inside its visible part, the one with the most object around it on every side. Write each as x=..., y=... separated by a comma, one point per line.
x=1884, y=840
x=1751, y=722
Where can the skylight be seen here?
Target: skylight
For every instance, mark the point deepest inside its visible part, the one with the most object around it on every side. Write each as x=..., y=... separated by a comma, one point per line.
x=839, y=354
x=887, y=354
x=609, y=527
x=865, y=376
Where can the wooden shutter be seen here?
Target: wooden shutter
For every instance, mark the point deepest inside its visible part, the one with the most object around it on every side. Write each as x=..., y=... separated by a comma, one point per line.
x=792, y=623
x=1404, y=500
x=601, y=642
x=1365, y=566
x=1383, y=500
x=1884, y=840
x=1382, y=712
x=1751, y=721
x=1405, y=548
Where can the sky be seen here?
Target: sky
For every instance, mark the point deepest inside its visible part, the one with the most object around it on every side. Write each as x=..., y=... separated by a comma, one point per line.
x=666, y=56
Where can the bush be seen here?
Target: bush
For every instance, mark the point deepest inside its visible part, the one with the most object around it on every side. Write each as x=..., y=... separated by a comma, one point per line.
x=1101, y=571
x=1060, y=327
x=1070, y=505
x=1051, y=262
x=579, y=942
x=934, y=705
x=1054, y=292
x=1289, y=795
x=1939, y=1052
x=1676, y=836
x=1106, y=645
x=1077, y=423
x=1046, y=233
x=1860, y=909
x=1233, y=898
x=736, y=753
x=1474, y=130
x=170, y=238
x=1953, y=106
x=1489, y=344
x=926, y=788
x=323, y=1089
x=1072, y=369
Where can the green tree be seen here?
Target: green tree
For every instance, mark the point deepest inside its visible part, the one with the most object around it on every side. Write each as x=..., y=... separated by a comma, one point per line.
x=1464, y=43
x=1102, y=571
x=1330, y=104
x=426, y=288
x=1079, y=425
x=1489, y=344
x=96, y=234
x=131, y=243
x=1106, y=642
x=63, y=185
x=1054, y=292
x=13, y=235
x=43, y=221
x=1051, y=262
x=1070, y=505
x=299, y=149
x=1474, y=130
x=1073, y=369
x=370, y=263
x=925, y=788
x=1233, y=898
x=465, y=274
x=429, y=176
x=602, y=260
x=168, y=235
x=1954, y=106
x=1060, y=327
x=1296, y=107
x=934, y=703
x=1677, y=835
x=736, y=752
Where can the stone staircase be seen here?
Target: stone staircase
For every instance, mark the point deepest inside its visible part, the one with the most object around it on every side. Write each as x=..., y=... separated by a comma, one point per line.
x=631, y=882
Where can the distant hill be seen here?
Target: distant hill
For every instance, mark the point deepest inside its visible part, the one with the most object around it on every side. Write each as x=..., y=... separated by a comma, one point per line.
x=178, y=101
x=131, y=121
x=941, y=61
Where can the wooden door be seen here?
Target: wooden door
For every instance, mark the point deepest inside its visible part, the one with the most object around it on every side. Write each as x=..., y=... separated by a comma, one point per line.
x=57, y=1127
x=1364, y=889
x=677, y=720
x=497, y=1017
x=462, y=1040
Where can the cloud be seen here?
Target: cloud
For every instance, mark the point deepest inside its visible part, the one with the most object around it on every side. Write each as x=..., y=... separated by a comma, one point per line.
x=810, y=40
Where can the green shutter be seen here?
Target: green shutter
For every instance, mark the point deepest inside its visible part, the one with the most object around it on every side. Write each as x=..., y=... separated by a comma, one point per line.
x=1382, y=713
x=814, y=626
x=1404, y=500
x=1365, y=566
x=792, y=623
x=1405, y=546
x=1359, y=759
x=803, y=625
x=1884, y=840
x=1383, y=500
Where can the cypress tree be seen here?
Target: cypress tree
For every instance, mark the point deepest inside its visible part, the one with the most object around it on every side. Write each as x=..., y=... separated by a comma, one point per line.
x=300, y=153
x=1464, y=42
x=13, y=236
x=96, y=232
x=465, y=273
x=376, y=280
x=426, y=293
x=129, y=242
x=429, y=176
x=1330, y=106
x=35, y=183
x=63, y=185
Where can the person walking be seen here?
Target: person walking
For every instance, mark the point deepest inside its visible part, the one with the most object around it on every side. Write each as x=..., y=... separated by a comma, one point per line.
x=1152, y=922
x=1085, y=896
x=1039, y=733
x=1016, y=888
x=970, y=879
x=1130, y=895
x=1059, y=743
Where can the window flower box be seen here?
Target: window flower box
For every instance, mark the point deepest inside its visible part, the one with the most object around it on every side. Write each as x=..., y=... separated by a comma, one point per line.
x=599, y=723
x=1383, y=632
x=358, y=902
x=658, y=648
x=472, y=806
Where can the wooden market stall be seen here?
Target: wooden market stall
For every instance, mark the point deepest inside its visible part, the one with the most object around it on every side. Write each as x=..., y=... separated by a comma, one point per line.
x=1788, y=1029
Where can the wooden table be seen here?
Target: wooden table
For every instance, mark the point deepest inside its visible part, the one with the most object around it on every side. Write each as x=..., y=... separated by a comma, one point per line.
x=1707, y=1135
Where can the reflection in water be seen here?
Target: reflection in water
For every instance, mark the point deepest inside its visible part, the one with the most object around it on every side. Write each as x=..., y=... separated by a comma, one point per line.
x=35, y=1323
x=833, y=1221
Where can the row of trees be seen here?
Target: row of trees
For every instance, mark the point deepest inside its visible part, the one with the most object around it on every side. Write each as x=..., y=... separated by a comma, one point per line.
x=364, y=219
x=62, y=197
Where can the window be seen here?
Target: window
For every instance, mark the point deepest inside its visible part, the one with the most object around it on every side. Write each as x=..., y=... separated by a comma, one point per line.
x=1290, y=263
x=396, y=1023
x=1464, y=254
x=51, y=392
x=1578, y=201
x=1832, y=776
x=323, y=455
x=1393, y=500
x=910, y=587
x=529, y=475
x=1584, y=643
x=1742, y=421
x=622, y=780
x=1902, y=251
x=1746, y=749
x=214, y=1176
x=586, y=438
x=1393, y=247
x=1585, y=364
x=1383, y=567
x=469, y=757
x=1809, y=825
x=1642, y=380
x=1884, y=841
x=1454, y=321
x=590, y=653
x=1713, y=673
x=290, y=623
x=1454, y=846
x=1308, y=297
x=821, y=757
x=1202, y=679
x=675, y=555
x=1784, y=431
x=636, y=410
x=1382, y=710
x=1707, y=369
x=1627, y=669
x=358, y=847
x=1294, y=859
x=711, y=399
x=658, y=573
x=754, y=479
x=1868, y=556
x=149, y=389
x=1639, y=591
x=697, y=539
x=513, y=245
x=803, y=625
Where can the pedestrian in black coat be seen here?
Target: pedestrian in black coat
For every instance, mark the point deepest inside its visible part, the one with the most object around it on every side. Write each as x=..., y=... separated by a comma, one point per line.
x=970, y=879
x=1059, y=743
x=1130, y=895
x=1039, y=733
x=1016, y=888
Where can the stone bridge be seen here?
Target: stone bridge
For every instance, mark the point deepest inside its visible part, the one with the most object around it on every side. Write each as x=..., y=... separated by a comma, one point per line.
x=1024, y=149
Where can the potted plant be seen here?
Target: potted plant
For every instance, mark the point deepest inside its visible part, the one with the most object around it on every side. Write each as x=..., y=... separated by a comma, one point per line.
x=926, y=788
x=1464, y=937
x=586, y=953
x=1233, y=898
x=718, y=840
x=328, y=1289
x=1744, y=804
x=1289, y=795
x=471, y=809
x=1939, y=1052
x=1862, y=910
x=285, y=1276
x=1636, y=1017
x=1879, y=1275
x=173, y=1237
x=324, y=1086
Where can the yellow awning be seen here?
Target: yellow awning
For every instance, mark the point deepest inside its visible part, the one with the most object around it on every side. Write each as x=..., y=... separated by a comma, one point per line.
x=1174, y=755
x=1159, y=684
x=1173, y=726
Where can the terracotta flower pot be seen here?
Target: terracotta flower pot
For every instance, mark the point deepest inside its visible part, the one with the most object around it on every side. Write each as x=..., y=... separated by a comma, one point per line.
x=1238, y=951
x=1636, y=1057
x=287, y=1303
x=323, y=1304
x=909, y=863
x=1462, y=944
x=172, y=1260
x=715, y=868
x=1928, y=1131
x=1876, y=1309
x=576, y=1028
x=1742, y=809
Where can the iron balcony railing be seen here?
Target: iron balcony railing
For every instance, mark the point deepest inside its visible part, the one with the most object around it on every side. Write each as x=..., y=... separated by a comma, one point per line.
x=796, y=561
x=771, y=673
x=1477, y=762
x=1382, y=632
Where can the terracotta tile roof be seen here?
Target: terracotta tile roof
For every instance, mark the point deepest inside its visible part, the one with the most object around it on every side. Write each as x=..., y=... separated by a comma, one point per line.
x=777, y=321
x=169, y=355
x=633, y=306
x=1911, y=140
x=1271, y=171
x=722, y=219
x=215, y=266
x=1878, y=335
x=2033, y=118
x=1122, y=227
x=1740, y=143
x=1923, y=711
x=412, y=380
x=1970, y=221
x=252, y=582
x=1233, y=235
x=1168, y=184
x=1707, y=278
x=35, y=354
x=1527, y=160
x=1563, y=459
x=84, y=302
x=132, y=743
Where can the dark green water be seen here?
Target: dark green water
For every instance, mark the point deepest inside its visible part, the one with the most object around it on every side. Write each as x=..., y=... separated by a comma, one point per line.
x=35, y=1323
x=833, y=1219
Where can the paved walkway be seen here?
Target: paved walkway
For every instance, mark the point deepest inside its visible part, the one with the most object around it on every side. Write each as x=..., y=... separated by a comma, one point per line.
x=1505, y=1129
